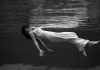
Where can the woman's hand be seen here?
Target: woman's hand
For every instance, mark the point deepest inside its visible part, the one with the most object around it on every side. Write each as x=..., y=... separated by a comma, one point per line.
x=41, y=53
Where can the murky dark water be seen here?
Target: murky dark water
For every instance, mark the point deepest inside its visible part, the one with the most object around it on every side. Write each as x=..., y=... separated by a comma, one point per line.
x=15, y=48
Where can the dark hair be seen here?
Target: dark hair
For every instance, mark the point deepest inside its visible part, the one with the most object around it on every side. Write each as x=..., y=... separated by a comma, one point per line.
x=25, y=32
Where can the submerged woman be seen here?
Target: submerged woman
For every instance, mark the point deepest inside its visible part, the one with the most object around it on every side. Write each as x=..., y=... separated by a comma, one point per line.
x=39, y=33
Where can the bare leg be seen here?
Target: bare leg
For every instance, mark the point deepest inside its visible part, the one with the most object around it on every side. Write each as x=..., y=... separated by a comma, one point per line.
x=82, y=43
x=79, y=44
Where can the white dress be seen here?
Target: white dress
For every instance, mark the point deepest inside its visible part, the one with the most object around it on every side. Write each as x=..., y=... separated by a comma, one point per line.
x=61, y=37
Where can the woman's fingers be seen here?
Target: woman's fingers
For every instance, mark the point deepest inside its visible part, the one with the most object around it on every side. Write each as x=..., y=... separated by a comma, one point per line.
x=41, y=53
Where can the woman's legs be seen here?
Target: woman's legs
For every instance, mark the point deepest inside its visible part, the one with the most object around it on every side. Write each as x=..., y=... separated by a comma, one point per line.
x=81, y=44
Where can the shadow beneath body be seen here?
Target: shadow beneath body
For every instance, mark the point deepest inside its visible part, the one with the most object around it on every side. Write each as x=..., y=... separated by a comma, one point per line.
x=68, y=58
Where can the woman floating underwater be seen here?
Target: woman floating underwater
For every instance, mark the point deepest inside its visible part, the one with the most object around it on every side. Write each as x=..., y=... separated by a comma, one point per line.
x=39, y=33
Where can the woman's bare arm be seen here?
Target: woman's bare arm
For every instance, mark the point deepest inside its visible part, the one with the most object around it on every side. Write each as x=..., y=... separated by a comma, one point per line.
x=41, y=52
x=45, y=45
